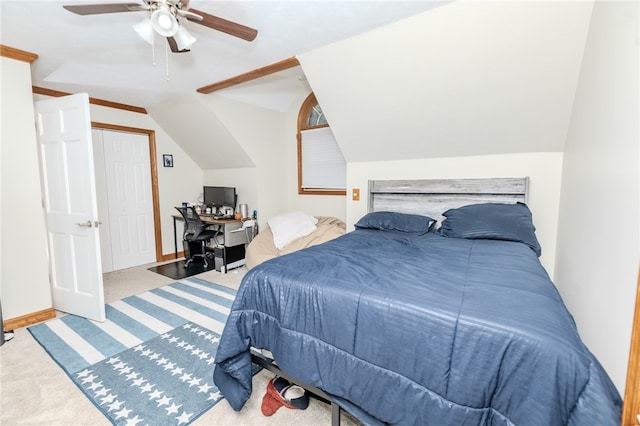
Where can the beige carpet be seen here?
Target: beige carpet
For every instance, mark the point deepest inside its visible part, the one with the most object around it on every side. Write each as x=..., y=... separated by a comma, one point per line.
x=35, y=391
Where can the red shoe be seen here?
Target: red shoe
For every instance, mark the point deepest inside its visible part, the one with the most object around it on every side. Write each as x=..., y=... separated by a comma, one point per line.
x=269, y=404
x=280, y=392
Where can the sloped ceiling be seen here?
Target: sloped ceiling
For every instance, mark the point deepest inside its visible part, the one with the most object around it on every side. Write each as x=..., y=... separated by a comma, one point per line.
x=276, y=91
x=464, y=78
x=200, y=133
x=102, y=54
x=467, y=78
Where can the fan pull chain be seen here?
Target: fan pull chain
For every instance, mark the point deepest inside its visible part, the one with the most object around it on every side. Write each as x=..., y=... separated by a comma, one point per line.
x=153, y=45
x=166, y=54
x=153, y=53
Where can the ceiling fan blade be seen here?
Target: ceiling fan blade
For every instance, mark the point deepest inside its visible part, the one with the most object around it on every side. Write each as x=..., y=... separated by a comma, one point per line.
x=174, y=46
x=95, y=9
x=220, y=24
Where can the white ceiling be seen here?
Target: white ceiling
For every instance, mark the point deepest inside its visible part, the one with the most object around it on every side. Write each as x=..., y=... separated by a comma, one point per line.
x=103, y=56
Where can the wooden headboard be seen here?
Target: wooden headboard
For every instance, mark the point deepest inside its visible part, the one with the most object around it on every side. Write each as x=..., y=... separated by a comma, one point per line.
x=432, y=197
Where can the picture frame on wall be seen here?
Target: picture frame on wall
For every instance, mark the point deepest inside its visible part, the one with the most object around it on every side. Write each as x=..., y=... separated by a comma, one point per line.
x=167, y=160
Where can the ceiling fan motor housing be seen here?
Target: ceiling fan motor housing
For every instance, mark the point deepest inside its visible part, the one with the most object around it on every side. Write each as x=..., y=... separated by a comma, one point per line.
x=164, y=20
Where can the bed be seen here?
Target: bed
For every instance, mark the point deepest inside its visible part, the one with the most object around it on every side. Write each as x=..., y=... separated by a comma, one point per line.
x=407, y=320
x=263, y=248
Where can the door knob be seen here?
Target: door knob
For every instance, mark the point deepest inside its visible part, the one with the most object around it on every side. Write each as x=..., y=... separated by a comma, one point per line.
x=87, y=224
x=97, y=223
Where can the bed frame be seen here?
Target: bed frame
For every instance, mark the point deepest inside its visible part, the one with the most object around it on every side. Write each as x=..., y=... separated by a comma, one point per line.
x=430, y=197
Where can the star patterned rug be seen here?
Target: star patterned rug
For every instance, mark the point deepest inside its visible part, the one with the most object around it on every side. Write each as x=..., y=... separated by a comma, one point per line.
x=151, y=362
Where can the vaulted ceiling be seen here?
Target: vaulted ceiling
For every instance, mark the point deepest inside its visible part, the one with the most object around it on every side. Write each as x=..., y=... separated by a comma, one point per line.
x=397, y=80
x=467, y=78
x=102, y=54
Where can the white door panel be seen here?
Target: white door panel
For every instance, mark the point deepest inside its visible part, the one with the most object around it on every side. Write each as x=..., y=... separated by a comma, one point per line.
x=66, y=156
x=128, y=179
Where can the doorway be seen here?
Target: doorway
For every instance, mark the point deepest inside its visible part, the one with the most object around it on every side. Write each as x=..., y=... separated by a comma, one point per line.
x=130, y=238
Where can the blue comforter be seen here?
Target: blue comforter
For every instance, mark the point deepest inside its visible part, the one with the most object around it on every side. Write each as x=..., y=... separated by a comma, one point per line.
x=429, y=330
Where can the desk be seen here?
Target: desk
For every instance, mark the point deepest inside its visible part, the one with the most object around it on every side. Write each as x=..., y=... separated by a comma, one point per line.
x=225, y=229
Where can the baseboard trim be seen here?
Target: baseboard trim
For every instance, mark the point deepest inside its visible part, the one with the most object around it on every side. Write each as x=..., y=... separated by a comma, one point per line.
x=172, y=256
x=29, y=319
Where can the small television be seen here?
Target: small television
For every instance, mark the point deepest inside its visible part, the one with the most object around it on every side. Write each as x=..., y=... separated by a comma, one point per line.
x=219, y=196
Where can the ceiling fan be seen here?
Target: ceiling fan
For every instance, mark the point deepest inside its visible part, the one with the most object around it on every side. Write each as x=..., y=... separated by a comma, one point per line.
x=164, y=20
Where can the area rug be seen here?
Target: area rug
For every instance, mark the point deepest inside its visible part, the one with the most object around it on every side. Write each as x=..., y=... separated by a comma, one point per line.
x=177, y=271
x=151, y=361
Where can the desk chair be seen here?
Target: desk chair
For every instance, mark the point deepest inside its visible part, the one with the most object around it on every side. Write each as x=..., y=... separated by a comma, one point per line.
x=195, y=234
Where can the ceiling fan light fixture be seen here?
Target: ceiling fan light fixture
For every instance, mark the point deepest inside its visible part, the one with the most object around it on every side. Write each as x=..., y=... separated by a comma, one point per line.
x=144, y=30
x=164, y=22
x=183, y=38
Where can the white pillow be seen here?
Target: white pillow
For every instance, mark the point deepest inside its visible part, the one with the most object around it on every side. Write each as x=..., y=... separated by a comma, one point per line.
x=288, y=227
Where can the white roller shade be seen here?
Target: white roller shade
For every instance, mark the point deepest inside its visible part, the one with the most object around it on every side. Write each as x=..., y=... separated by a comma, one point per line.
x=323, y=165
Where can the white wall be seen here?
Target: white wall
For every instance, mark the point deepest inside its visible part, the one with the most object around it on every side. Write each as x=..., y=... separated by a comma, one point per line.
x=175, y=184
x=24, y=271
x=544, y=171
x=2, y=114
x=466, y=78
x=269, y=138
x=203, y=135
x=261, y=134
x=599, y=222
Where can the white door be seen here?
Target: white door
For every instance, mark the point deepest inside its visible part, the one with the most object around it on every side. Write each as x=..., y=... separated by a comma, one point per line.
x=127, y=169
x=66, y=155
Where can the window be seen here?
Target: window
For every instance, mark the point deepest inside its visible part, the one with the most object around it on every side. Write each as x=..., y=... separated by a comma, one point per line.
x=322, y=169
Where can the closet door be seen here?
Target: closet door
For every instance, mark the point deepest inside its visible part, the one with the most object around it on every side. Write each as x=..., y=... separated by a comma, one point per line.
x=127, y=173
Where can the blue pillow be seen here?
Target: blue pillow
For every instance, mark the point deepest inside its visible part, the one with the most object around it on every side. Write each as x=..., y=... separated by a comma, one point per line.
x=493, y=221
x=393, y=221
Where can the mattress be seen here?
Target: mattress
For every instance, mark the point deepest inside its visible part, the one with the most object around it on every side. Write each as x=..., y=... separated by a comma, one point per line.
x=402, y=328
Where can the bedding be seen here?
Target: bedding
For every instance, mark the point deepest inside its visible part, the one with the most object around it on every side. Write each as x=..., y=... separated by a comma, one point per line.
x=263, y=248
x=497, y=221
x=394, y=221
x=409, y=328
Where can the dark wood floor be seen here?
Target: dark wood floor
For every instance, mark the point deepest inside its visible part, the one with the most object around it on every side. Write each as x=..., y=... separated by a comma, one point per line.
x=177, y=271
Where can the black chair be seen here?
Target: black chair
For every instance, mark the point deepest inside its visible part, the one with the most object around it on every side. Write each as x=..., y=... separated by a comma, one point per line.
x=195, y=235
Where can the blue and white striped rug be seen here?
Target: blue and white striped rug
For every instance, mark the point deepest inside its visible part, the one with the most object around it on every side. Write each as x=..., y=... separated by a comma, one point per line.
x=151, y=361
